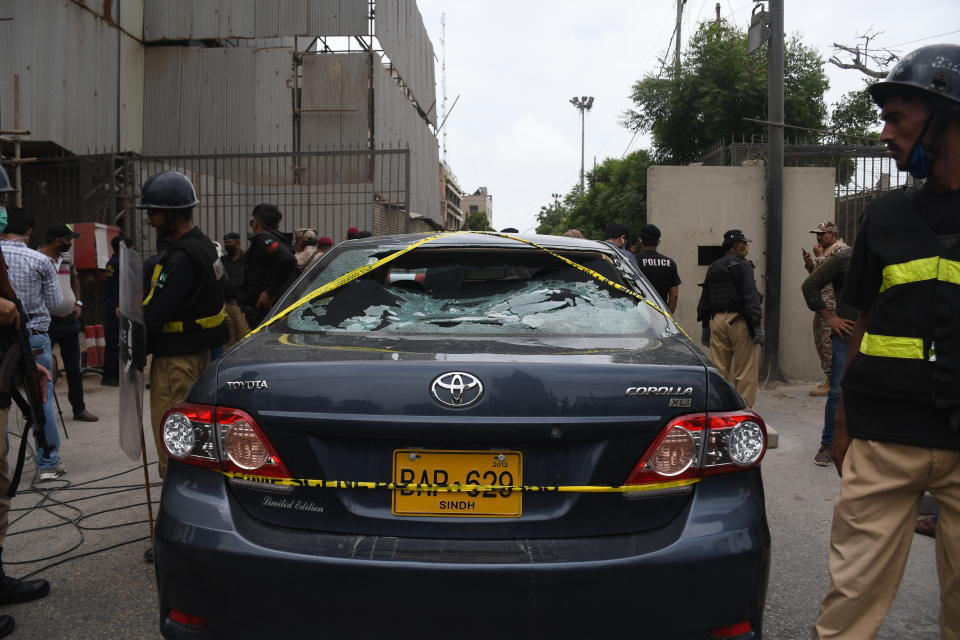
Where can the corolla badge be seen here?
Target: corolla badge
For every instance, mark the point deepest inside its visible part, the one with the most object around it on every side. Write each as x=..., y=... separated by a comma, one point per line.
x=456, y=389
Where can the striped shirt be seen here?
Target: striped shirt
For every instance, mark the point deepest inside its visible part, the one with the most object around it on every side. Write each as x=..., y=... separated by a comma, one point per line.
x=34, y=279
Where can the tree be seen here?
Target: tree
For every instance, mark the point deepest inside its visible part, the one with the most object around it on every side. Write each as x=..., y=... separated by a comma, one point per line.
x=855, y=114
x=478, y=221
x=719, y=84
x=864, y=56
x=616, y=192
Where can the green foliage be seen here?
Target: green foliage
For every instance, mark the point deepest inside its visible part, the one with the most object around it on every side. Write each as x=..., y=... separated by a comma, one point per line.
x=856, y=114
x=478, y=221
x=719, y=84
x=616, y=192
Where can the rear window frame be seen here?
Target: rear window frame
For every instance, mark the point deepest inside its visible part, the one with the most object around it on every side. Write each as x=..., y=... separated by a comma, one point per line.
x=632, y=279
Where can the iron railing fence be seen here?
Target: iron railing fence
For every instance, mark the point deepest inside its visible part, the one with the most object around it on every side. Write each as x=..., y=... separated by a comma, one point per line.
x=329, y=191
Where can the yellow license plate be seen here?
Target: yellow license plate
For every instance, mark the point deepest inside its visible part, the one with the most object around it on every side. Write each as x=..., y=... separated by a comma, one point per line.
x=453, y=468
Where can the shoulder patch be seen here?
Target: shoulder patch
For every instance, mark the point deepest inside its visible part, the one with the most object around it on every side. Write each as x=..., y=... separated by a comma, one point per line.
x=272, y=245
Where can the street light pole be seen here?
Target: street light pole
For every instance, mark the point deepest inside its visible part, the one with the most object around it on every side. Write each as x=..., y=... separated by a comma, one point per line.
x=583, y=104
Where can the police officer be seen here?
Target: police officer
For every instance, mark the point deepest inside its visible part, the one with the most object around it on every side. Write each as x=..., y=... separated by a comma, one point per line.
x=897, y=430
x=270, y=266
x=729, y=311
x=183, y=309
x=660, y=270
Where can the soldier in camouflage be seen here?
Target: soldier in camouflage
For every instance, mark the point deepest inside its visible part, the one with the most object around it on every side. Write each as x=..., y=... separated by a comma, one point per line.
x=828, y=243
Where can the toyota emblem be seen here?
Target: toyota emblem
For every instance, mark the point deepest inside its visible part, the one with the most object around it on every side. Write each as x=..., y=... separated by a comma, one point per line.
x=456, y=389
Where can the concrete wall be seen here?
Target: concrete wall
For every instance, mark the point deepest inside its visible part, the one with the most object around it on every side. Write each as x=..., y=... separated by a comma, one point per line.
x=693, y=206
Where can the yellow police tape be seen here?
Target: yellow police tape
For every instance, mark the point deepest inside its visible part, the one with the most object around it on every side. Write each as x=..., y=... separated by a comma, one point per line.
x=457, y=488
x=356, y=273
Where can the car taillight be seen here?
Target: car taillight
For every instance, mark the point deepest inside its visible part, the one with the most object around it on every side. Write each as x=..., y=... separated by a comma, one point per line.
x=220, y=437
x=188, y=434
x=702, y=444
x=244, y=446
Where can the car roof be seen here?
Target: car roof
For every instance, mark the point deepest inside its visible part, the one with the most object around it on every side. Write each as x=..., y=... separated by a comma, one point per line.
x=480, y=240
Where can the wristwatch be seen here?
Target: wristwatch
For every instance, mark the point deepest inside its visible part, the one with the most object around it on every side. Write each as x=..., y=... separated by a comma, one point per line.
x=79, y=303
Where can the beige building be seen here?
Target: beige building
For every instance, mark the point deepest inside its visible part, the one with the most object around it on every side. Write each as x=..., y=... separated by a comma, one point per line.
x=452, y=216
x=480, y=200
x=693, y=206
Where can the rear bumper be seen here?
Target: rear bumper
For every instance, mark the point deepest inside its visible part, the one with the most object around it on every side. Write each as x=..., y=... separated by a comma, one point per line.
x=252, y=581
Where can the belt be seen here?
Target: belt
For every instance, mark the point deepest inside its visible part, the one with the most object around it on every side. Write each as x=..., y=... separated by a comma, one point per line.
x=37, y=332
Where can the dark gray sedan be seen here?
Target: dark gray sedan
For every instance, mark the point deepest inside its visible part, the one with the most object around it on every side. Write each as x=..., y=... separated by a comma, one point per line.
x=478, y=437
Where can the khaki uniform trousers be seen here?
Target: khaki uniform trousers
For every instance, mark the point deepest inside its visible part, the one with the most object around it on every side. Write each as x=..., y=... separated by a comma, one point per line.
x=237, y=322
x=732, y=351
x=170, y=379
x=873, y=521
x=4, y=477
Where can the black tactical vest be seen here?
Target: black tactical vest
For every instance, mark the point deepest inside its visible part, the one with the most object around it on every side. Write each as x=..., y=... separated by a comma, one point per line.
x=721, y=287
x=200, y=323
x=911, y=348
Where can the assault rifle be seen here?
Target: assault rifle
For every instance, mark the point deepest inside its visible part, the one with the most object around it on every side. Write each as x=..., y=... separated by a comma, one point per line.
x=18, y=367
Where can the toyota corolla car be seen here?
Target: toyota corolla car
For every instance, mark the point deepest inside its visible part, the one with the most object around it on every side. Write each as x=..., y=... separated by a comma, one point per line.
x=464, y=436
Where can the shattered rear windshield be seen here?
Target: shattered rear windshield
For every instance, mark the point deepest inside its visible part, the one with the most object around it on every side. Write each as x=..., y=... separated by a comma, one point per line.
x=471, y=292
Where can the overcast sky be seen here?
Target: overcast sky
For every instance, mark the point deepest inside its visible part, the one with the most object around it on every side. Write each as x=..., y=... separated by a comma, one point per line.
x=517, y=63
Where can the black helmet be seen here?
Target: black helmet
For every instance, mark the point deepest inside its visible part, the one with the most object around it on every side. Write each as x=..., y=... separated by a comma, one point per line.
x=5, y=186
x=168, y=190
x=934, y=69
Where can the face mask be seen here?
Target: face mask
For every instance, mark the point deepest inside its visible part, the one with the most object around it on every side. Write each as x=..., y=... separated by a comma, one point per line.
x=920, y=161
x=3, y=219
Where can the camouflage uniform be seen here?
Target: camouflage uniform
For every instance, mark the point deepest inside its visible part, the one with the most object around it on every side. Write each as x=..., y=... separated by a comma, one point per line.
x=821, y=330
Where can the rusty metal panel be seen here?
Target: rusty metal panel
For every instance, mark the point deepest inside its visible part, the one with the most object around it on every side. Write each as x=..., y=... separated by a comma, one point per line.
x=325, y=17
x=161, y=99
x=67, y=62
x=294, y=17
x=218, y=100
x=238, y=18
x=273, y=99
x=353, y=17
x=335, y=101
x=168, y=19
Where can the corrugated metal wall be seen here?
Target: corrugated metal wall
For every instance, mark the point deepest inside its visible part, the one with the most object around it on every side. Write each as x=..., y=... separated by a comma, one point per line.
x=397, y=123
x=400, y=30
x=335, y=102
x=220, y=100
x=220, y=19
x=68, y=63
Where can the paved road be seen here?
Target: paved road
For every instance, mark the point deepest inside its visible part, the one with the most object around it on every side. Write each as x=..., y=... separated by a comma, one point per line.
x=110, y=594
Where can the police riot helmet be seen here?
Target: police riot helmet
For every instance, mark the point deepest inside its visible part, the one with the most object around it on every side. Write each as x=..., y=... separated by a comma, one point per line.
x=933, y=70
x=5, y=186
x=169, y=190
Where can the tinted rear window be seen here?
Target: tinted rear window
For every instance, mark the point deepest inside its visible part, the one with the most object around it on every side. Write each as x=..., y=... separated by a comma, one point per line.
x=471, y=292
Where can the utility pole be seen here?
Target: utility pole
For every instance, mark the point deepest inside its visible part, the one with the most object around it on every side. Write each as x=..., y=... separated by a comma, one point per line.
x=583, y=104
x=774, y=191
x=676, y=46
x=717, y=9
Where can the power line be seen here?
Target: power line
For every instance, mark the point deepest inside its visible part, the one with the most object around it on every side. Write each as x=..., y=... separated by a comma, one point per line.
x=939, y=35
x=628, y=145
x=663, y=60
x=657, y=39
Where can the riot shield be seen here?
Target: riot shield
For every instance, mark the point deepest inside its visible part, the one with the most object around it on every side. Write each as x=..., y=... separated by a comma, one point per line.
x=132, y=351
